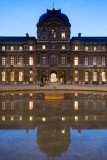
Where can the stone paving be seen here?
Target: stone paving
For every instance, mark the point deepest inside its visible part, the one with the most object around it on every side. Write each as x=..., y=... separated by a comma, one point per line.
x=51, y=87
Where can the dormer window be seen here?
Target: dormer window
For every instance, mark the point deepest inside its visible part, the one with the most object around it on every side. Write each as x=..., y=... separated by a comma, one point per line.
x=12, y=48
x=63, y=35
x=43, y=46
x=63, y=46
x=30, y=48
x=3, y=48
x=44, y=34
x=53, y=34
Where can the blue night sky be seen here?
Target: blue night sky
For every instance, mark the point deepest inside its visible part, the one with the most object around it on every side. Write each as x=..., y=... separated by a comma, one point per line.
x=18, y=17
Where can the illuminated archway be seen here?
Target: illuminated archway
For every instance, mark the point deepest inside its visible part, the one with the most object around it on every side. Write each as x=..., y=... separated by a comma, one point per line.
x=53, y=77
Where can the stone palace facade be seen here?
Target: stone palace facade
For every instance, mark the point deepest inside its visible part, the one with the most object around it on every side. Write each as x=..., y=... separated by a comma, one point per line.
x=53, y=56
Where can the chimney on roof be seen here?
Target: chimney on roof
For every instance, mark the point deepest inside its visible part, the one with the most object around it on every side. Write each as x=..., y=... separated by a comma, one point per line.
x=27, y=35
x=79, y=34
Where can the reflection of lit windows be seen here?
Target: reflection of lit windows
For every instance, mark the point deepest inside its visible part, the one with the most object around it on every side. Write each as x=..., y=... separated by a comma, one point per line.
x=76, y=79
x=31, y=60
x=20, y=118
x=30, y=105
x=76, y=105
x=43, y=46
x=3, y=48
x=75, y=61
x=63, y=46
x=3, y=105
x=63, y=35
x=3, y=118
x=31, y=118
x=95, y=76
x=12, y=76
x=43, y=119
x=12, y=118
x=76, y=48
x=63, y=118
x=30, y=48
x=103, y=76
x=63, y=131
x=20, y=76
x=76, y=94
x=76, y=118
x=95, y=118
x=3, y=61
x=86, y=118
x=3, y=76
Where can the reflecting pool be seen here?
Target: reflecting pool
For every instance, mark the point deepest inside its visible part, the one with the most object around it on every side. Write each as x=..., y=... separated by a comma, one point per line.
x=53, y=125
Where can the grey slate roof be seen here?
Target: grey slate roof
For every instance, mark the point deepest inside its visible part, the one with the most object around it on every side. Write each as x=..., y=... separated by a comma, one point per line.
x=53, y=14
x=90, y=39
x=16, y=39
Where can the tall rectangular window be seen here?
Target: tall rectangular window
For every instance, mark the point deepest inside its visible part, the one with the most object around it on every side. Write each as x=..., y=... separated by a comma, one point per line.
x=3, y=61
x=86, y=60
x=11, y=76
x=31, y=60
x=103, y=48
x=20, y=76
x=63, y=35
x=53, y=60
x=103, y=61
x=44, y=34
x=43, y=60
x=62, y=60
x=20, y=48
x=20, y=60
x=76, y=48
x=95, y=61
x=95, y=76
x=75, y=61
x=43, y=46
x=3, y=76
x=12, y=60
x=12, y=48
x=3, y=48
x=86, y=76
x=30, y=48
x=86, y=48
x=63, y=46
x=95, y=48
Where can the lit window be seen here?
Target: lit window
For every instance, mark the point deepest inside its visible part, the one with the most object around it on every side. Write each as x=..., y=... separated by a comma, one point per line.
x=76, y=94
x=86, y=76
x=103, y=48
x=20, y=118
x=95, y=118
x=20, y=76
x=95, y=76
x=12, y=76
x=63, y=46
x=76, y=79
x=86, y=48
x=75, y=61
x=3, y=118
x=63, y=131
x=63, y=35
x=12, y=48
x=30, y=48
x=103, y=76
x=63, y=118
x=86, y=60
x=30, y=105
x=76, y=72
x=53, y=34
x=43, y=46
x=95, y=48
x=20, y=48
x=3, y=75
x=3, y=48
x=3, y=105
x=31, y=72
x=31, y=79
x=30, y=60
x=12, y=118
x=20, y=60
x=44, y=34
x=3, y=60
x=43, y=60
x=62, y=60
x=76, y=105
x=76, y=48
x=12, y=60
x=43, y=119
x=86, y=118
x=76, y=118
x=31, y=118
x=95, y=61
x=103, y=61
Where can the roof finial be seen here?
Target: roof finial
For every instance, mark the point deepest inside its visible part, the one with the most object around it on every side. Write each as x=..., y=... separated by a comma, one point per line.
x=53, y=4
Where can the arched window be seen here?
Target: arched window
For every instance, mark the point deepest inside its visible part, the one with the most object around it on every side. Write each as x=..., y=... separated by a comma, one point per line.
x=86, y=76
x=11, y=76
x=75, y=61
x=20, y=76
x=103, y=76
x=94, y=76
x=3, y=76
x=44, y=34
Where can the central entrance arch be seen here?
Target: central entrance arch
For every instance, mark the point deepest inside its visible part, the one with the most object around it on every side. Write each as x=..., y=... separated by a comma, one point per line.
x=53, y=77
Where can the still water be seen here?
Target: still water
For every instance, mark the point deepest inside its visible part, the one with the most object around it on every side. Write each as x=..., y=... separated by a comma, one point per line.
x=53, y=126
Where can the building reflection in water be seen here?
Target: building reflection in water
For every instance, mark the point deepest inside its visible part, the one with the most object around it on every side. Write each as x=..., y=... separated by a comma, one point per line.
x=53, y=118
